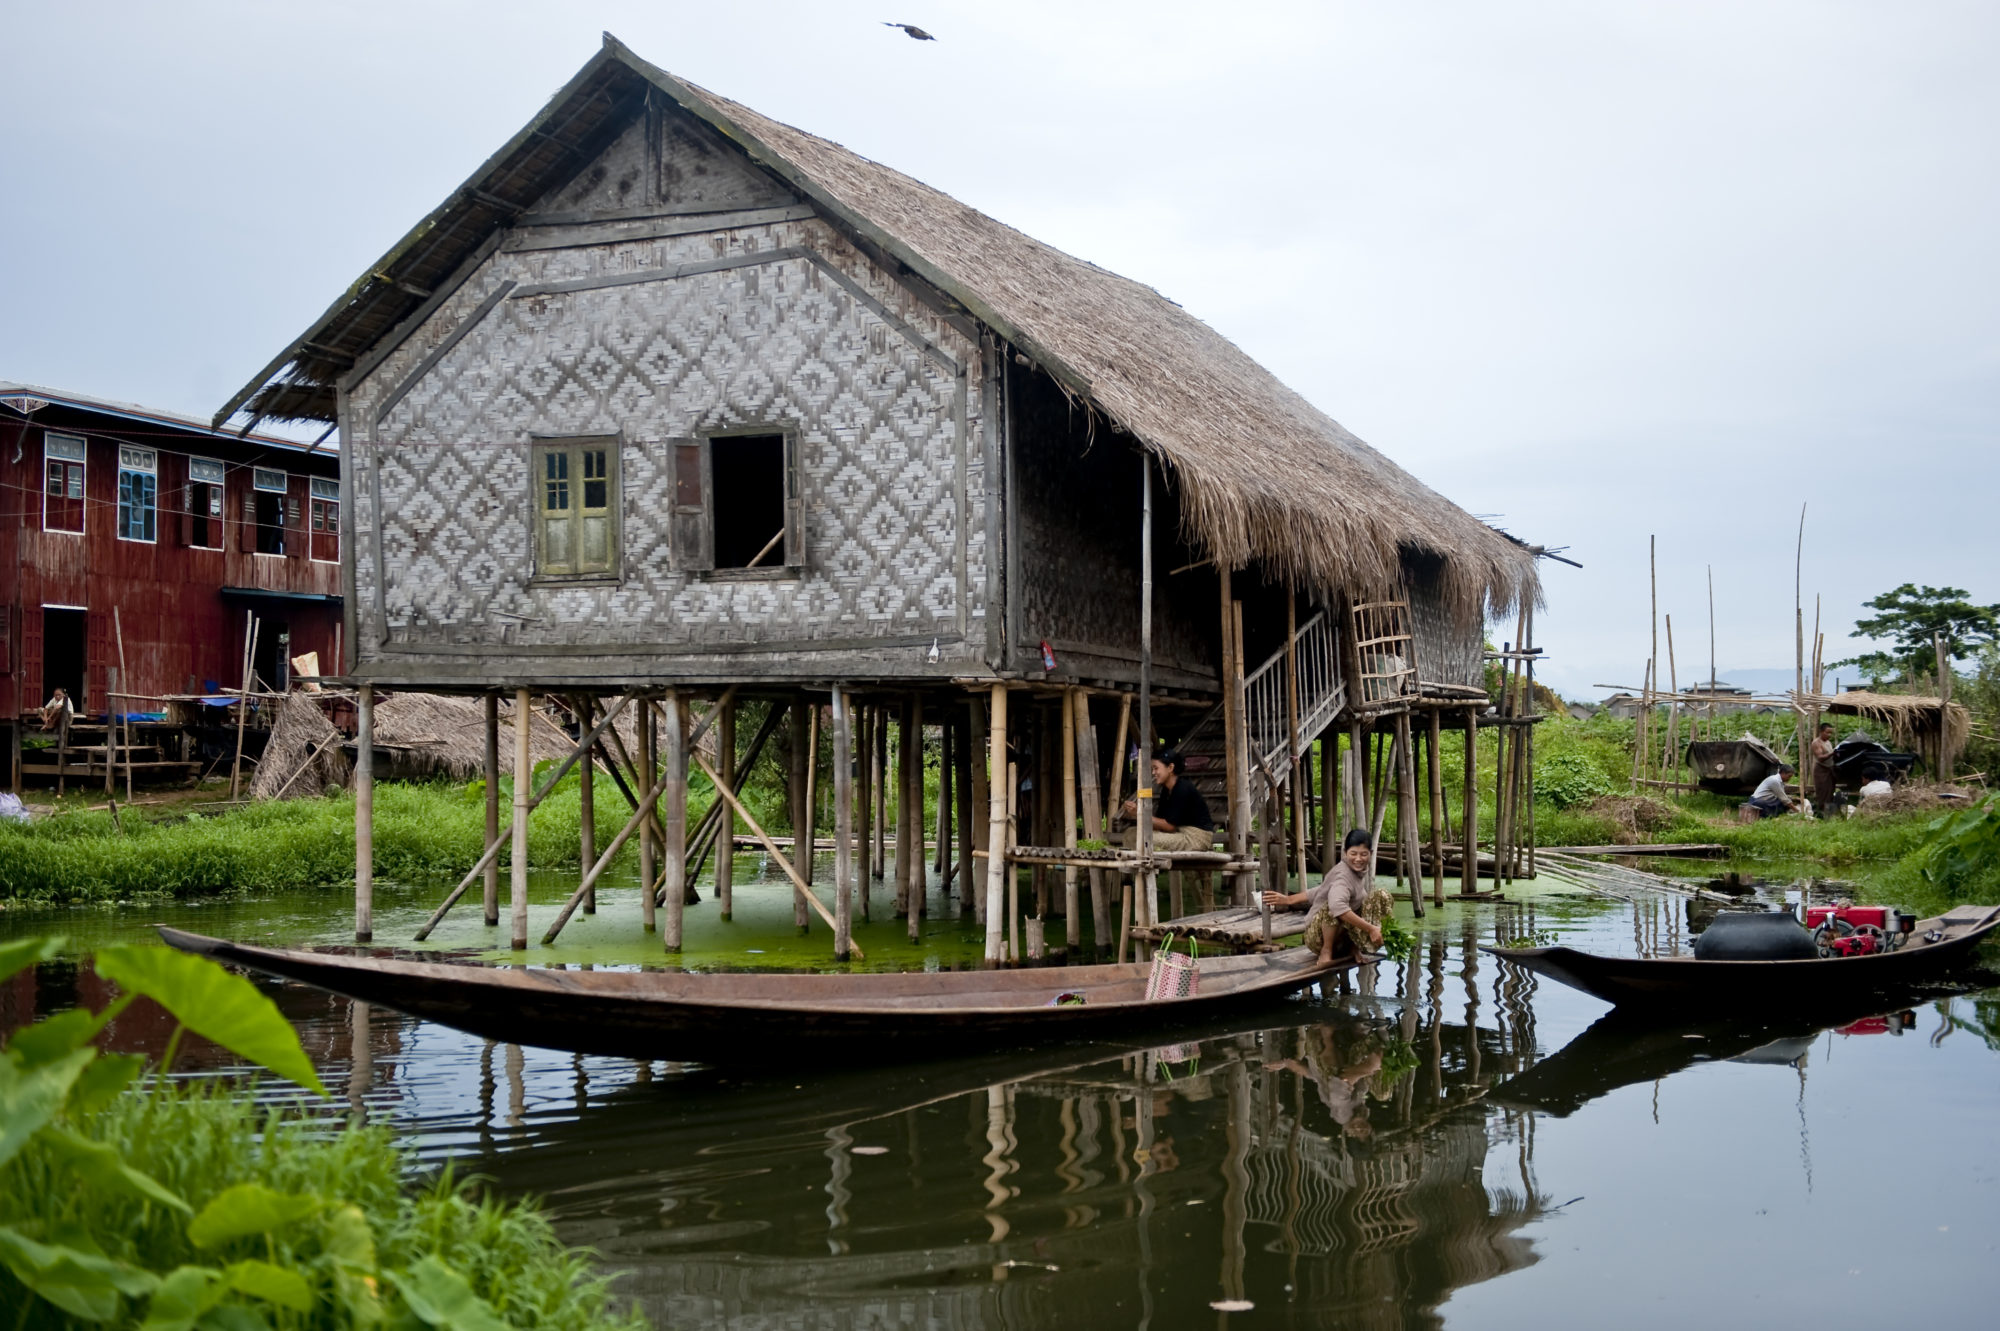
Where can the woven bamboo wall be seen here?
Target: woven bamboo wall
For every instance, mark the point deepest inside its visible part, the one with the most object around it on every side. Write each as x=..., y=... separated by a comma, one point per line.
x=795, y=330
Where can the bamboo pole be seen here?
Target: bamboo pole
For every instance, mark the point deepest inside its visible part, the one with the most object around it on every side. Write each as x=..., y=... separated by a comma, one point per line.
x=1239, y=757
x=674, y=851
x=1329, y=799
x=645, y=776
x=1528, y=763
x=1406, y=812
x=490, y=891
x=864, y=798
x=1116, y=799
x=997, y=846
x=517, y=899
x=799, y=760
x=242, y=705
x=1670, y=757
x=812, y=793
x=1234, y=777
x=1708, y=730
x=725, y=836
x=964, y=755
x=1293, y=747
x=878, y=852
x=1013, y=875
x=1073, y=909
x=770, y=847
x=910, y=816
x=1799, y=645
x=637, y=822
x=124, y=679
x=941, y=856
x=843, y=830
x=1436, y=774
x=981, y=788
x=586, y=800
x=1091, y=807
x=364, y=812
x=1143, y=778
x=1468, y=875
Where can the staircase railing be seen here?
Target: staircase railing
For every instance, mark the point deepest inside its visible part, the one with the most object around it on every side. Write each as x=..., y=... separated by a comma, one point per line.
x=1267, y=709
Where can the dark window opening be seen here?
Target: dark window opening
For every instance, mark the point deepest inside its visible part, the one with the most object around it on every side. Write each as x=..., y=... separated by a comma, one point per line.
x=747, y=491
x=270, y=523
x=63, y=654
x=204, y=507
x=273, y=664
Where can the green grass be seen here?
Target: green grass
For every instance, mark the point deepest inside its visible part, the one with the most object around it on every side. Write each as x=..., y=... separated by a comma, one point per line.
x=201, y=1139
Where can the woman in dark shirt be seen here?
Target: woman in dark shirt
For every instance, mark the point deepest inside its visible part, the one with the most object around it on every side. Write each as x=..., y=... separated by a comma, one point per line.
x=1181, y=820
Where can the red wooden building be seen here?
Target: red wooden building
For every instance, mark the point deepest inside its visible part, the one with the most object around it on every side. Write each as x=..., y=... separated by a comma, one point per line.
x=116, y=517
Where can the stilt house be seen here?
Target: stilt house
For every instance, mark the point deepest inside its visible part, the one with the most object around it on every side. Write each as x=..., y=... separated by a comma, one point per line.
x=675, y=404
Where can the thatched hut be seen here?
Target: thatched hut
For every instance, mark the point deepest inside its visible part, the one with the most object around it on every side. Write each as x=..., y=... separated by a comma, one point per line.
x=1935, y=729
x=674, y=400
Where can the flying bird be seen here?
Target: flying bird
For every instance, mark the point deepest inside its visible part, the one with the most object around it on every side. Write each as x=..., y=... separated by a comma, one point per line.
x=914, y=32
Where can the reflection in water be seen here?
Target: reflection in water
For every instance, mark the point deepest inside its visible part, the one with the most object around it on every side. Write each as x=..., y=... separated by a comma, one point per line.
x=1357, y=1159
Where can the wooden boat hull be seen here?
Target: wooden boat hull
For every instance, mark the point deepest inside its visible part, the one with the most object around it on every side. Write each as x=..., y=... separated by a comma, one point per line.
x=774, y=1019
x=1730, y=767
x=1686, y=984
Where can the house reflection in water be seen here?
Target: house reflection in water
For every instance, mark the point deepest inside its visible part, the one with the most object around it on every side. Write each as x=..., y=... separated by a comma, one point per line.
x=1337, y=1164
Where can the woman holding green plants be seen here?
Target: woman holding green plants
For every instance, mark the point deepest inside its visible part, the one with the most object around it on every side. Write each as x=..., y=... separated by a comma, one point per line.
x=1346, y=909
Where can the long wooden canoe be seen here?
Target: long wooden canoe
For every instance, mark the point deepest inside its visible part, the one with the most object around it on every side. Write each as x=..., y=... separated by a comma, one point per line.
x=1686, y=984
x=775, y=1019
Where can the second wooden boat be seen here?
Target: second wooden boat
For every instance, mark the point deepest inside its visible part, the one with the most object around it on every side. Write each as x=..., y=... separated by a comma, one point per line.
x=775, y=1019
x=1939, y=945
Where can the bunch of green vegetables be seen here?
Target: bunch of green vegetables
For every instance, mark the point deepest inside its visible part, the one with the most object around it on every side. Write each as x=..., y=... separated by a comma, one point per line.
x=149, y=1203
x=1397, y=941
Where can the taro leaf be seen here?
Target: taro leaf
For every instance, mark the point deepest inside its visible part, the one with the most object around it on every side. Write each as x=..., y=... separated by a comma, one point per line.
x=244, y=1210
x=102, y=1081
x=25, y=952
x=30, y=1098
x=273, y=1284
x=209, y=1001
x=101, y=1166
x=441, y=1297
x=52, y=1037
x=83, y=1284
x=185, y=1294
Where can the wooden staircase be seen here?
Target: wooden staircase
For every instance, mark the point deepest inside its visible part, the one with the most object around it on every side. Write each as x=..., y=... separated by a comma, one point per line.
x=1322, y=694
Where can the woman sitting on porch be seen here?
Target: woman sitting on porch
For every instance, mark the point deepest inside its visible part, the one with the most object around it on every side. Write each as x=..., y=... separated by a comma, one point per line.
x=1181, y=820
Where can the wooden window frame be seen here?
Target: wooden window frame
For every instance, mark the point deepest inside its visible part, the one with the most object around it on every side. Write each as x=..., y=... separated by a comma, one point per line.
x=81, y=461
x=214, y=521
x=255, y=526
x=694, y=522
x=323, y=517
x=129, y=464
x=573, y=448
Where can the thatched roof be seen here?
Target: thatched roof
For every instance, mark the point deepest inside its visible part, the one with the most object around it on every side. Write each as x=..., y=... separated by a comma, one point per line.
x=1914, y=721
x=1264, y=475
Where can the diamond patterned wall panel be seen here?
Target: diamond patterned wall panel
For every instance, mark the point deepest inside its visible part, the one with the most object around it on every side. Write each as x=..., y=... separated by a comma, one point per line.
x=871, y=385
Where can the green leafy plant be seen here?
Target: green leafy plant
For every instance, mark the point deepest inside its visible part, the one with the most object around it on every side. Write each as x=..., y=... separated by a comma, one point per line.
x=1964, y=851
x=1568, y=780
x=1092, y=843
x=1397, y=941
x=178, y=1207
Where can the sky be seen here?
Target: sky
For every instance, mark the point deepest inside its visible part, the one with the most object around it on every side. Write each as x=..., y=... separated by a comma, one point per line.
x=1598, y=272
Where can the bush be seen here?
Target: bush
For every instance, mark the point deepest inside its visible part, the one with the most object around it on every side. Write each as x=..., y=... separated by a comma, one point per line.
x=194, y=1208
x=1568, y=780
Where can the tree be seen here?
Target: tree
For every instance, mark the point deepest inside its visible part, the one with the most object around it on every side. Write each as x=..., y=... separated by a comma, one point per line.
x=1910, y=617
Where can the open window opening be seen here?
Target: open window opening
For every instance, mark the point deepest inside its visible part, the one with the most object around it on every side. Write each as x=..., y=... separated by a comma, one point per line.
x=202, y=514
x=268, y=499
x=748, y=493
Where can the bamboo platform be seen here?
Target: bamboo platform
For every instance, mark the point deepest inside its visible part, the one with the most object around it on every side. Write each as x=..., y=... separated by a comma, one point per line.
x=1238, y=927
x=1126, y=861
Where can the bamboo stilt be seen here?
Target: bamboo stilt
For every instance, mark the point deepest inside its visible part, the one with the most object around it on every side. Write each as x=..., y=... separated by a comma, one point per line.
x=1468, y=822
x=812, y=794
x=725, y=836
x=1406, y=812
x=586, y=796
x=1072, y=908
x=1013, y=905
x=673, y=852
x=364, y=813
x=878, y=851
x=517, y=888
x=1436, y=775
x=490, y=890
x=800, y=758
x=982, y=801
x=778, y=858
x=910, y=816
x=965, y=756
x=1092, y=809
x=843, y=831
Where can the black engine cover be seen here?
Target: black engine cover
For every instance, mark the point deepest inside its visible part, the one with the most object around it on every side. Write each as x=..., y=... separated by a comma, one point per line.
x=1760, y=936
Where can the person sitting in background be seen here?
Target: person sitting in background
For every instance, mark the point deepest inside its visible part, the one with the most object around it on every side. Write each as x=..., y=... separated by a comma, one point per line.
x=1876, y=787
x=57, y=709
x=1770, y=799
x=1346, y=908
x=1181, y=820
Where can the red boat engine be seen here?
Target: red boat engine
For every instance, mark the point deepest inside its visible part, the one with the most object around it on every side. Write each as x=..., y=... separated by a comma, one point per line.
x=1847, y=930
